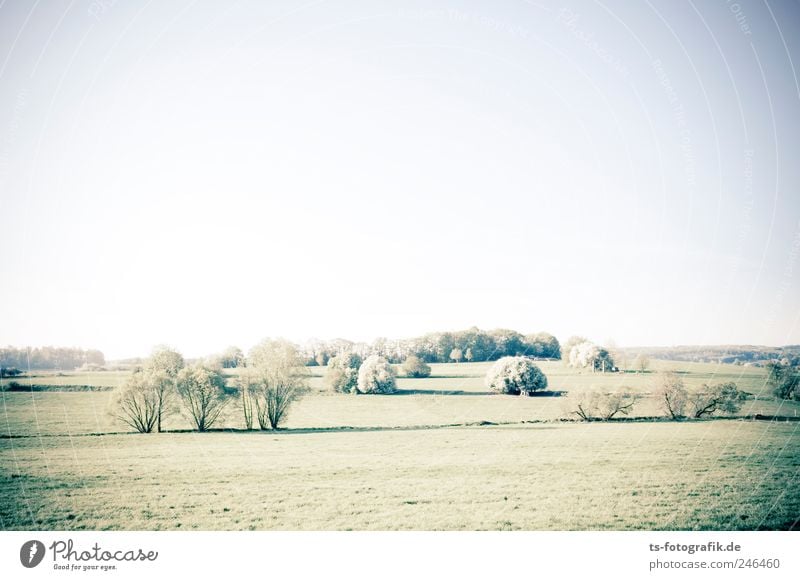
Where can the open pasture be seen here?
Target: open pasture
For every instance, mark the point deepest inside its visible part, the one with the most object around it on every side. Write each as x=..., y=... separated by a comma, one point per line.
x=713, y=475
x=440, y=454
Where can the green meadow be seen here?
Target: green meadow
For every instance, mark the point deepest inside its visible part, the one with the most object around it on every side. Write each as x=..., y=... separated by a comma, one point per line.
x=441, y=454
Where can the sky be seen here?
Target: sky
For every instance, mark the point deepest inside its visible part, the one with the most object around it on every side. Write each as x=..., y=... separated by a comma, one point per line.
x=203, y=174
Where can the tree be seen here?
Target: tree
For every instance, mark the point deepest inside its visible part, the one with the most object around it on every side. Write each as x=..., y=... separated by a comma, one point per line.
x=416, y=368
x=203, y=394
x=246, y=384
x=641, y=363
x=280, y=379
x=164, y=365
x=672, y=396
x=515, y=375
x=566, y=350
x=594, y=405
x=376, y=376
x=468, y=356
x=722, y=397
x=783, y=380
x=167, y=359
x=342, y=373
x=543, y=345
x=232, y=358
x=135, y=403
x=587, y=354
x=455, y=355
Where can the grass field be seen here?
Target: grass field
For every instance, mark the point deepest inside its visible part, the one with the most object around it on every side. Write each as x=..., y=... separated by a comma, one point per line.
x=440, y=454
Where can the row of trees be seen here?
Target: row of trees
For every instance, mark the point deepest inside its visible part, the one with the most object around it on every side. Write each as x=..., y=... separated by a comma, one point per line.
x=469, y=345
x=273, y=378
x=47, y=358
x=675, y=401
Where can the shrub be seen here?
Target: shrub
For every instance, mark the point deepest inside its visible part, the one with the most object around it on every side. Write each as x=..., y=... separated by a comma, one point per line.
x=723, y=398
x=342, y=373
x=376, y=376
x=515, y=375
x=416, y=368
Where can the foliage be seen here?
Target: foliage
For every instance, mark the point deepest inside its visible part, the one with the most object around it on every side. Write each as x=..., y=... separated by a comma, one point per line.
x=672, y=395
x=721, y=397
x=376, y=376
x=165, y=359
x=417, y=368
x=783, y=380
x=342, y=375
x=474, y=344
x=203, y=393
x=232, y=358
x=515, y=375
x=587, y=354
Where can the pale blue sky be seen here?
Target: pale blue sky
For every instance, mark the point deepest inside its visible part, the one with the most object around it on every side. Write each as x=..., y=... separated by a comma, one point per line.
x=206, y=173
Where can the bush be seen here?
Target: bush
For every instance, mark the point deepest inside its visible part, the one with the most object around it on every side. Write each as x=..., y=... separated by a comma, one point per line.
x=342, y=373
x=416, y=368
x=723, y=398
x=515, y=375
x=376, y=376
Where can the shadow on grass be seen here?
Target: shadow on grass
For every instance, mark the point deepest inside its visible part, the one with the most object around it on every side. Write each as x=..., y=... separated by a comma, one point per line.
x=473, y=393
x=543, y=423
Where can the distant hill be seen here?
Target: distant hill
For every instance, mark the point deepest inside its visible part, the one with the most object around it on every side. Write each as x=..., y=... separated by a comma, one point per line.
x=728, y=353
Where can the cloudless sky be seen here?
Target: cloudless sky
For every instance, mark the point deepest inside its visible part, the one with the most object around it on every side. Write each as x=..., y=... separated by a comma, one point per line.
x=210, y=173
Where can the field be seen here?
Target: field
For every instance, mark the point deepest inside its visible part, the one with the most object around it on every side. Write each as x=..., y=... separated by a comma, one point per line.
x=441, y=454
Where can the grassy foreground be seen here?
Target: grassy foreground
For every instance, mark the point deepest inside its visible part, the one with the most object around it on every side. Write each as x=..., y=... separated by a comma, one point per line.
x=717, y=475
x=397, y=461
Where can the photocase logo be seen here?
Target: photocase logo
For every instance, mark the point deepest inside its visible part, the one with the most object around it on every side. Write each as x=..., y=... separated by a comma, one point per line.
x=31, y=553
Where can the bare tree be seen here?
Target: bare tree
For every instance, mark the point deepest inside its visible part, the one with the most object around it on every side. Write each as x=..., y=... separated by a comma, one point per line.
x=672, y=395
x=641, y=363
x=246, y=386
x=594, y=405
x=203, y=394
x=136, y=403
x=722, y=397
x=280, y=380
x=164, y=365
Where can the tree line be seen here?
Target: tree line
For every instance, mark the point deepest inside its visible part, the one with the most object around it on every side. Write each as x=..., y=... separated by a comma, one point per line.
x=471, y=345
x=49, y=358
